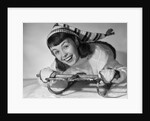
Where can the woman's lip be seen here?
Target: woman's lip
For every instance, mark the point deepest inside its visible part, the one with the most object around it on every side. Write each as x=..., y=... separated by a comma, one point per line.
x=68, y=58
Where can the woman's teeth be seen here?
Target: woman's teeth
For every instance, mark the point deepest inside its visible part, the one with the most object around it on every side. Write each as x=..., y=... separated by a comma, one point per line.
x=69, y=58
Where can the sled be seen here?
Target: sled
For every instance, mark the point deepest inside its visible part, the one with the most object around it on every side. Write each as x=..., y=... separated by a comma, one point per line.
x=70, y=79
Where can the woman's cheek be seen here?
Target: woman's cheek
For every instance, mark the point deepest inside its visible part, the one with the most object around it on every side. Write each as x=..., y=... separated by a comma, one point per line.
x=69, y=50
x=76, y=56
x=73, y=51
x=58, y=57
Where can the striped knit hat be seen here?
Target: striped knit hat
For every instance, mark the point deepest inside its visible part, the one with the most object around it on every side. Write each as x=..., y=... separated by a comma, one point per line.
x=85, y=36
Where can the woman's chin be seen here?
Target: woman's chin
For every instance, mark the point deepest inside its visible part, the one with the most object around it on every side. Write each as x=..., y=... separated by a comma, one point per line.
x=71, y=63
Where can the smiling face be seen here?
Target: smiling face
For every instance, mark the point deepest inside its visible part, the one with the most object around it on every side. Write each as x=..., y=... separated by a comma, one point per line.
x=66, y=52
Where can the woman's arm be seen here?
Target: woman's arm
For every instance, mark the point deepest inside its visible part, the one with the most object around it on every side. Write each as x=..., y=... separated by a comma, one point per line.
x=46, y=73
x=118, y=85
x=110, y=68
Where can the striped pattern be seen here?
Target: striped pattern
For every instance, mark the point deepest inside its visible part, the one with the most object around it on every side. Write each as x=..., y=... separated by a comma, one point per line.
x=85, y=36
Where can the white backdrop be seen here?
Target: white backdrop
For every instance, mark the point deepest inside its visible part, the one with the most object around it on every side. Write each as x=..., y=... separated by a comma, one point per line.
x=18, y=16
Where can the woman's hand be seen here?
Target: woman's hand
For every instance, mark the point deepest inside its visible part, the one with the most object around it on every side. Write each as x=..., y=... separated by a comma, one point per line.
x=110, y=32
x=107, y=74
x=45, y=73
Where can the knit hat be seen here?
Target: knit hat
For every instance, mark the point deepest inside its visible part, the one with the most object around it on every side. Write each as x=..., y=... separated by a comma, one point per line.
x=85, y=36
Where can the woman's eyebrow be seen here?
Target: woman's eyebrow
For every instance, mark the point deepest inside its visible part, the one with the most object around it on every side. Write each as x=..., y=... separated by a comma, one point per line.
x=54, y=49
x=64, y=43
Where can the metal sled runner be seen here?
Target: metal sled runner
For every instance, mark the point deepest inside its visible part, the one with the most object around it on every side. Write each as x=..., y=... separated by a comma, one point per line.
x=70, y=79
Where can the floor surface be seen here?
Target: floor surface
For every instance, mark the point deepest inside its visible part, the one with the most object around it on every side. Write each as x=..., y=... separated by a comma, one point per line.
x=32, y=89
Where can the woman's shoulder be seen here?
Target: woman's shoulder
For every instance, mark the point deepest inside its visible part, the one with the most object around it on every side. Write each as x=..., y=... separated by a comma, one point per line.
x=96, y=47
x=97, y=51
x=103, y=47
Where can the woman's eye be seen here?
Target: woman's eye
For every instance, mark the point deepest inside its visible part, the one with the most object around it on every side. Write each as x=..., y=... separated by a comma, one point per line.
x=56, y=52
x=66, y=46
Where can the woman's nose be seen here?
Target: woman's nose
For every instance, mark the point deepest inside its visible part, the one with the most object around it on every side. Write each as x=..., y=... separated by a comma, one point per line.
x=64, y=54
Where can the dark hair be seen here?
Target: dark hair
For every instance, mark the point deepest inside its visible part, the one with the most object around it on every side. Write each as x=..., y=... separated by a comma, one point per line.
x=83, y=48
x=57, y=38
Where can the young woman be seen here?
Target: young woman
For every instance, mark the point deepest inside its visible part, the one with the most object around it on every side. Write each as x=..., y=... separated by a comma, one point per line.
x=77, y=51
